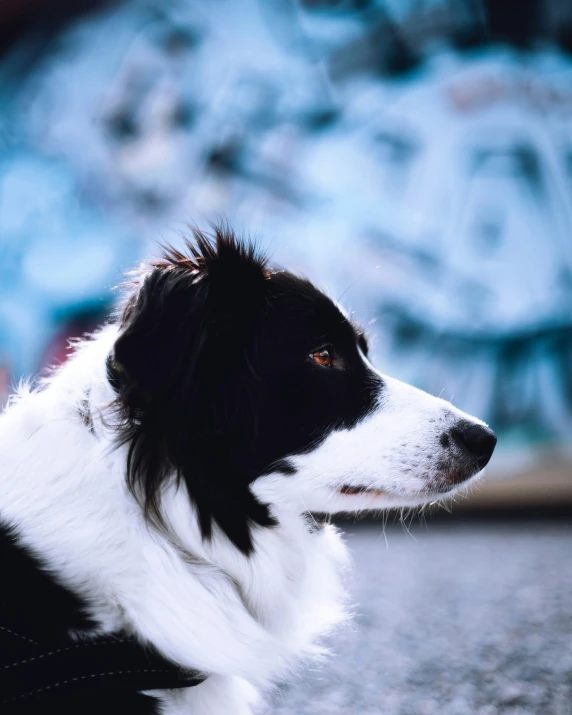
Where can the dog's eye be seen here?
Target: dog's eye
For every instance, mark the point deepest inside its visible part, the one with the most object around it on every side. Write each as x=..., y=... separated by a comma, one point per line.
x=322, y=357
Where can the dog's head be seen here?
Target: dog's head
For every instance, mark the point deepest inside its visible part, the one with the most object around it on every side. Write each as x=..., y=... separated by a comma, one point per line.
x=253, y=387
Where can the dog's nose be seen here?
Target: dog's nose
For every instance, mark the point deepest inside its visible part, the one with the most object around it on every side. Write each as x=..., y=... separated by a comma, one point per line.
x=476, y=440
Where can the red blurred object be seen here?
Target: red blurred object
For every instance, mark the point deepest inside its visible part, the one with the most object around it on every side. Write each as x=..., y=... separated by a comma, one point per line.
x=58, y=349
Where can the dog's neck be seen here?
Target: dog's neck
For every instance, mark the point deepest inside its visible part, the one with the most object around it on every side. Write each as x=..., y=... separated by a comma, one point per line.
x=290, y=562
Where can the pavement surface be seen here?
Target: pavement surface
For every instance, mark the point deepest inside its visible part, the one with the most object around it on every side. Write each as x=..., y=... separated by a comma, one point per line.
x=456, y=618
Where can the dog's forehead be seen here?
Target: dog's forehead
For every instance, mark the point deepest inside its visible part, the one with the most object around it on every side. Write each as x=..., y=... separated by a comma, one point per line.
x=298, y=302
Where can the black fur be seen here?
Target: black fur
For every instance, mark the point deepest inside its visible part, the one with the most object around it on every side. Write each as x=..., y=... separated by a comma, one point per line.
x=215, y=380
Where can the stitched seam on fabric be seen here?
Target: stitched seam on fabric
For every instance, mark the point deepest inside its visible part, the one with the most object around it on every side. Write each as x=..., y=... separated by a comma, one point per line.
x=60, y=650
x=84, y=677
x=18, y=635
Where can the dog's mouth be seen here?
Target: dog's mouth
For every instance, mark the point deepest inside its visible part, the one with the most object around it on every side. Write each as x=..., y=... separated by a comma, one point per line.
x=352, y=491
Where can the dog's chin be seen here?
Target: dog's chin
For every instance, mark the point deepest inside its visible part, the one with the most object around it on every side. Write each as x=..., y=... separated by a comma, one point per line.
x=359, y=498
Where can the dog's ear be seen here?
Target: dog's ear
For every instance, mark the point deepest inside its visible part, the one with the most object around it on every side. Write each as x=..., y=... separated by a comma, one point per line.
x=184, y=367
x=152, y=338
x=199, y=303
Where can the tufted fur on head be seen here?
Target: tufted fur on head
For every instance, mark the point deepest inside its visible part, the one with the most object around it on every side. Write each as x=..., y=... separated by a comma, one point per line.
x=188, y=396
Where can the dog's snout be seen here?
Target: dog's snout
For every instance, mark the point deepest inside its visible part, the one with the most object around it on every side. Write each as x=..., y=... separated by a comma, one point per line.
x=476, y=440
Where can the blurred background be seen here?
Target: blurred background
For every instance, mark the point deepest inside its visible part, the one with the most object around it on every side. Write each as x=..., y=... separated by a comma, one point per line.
x=412, y=156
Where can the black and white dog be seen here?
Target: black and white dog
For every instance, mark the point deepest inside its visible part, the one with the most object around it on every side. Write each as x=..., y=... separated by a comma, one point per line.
x=166, y=473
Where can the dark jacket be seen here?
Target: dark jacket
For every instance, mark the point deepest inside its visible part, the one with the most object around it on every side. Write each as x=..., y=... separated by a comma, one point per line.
x=44, y=669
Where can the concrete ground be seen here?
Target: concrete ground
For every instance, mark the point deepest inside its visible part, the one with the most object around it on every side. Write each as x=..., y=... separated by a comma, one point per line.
x=459, y=618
